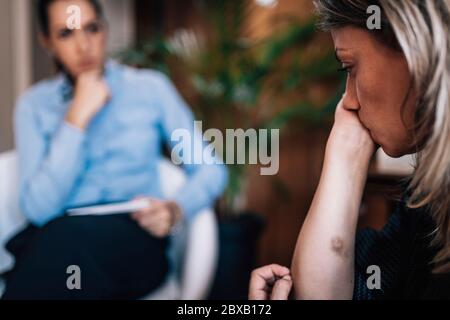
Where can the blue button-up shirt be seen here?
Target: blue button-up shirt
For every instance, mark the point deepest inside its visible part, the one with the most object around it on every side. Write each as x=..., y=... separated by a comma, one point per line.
x=116, y=157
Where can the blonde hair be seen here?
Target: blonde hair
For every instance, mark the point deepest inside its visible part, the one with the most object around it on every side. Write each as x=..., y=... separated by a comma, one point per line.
x=421, y=31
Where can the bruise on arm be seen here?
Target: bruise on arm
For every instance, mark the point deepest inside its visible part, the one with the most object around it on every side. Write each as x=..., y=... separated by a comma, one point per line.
x=338, y=247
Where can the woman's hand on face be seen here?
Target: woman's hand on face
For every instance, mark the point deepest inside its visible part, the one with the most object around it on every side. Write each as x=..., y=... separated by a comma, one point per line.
x=91, y=94
x=349, y=137
x=159, y=218
x=272, y=282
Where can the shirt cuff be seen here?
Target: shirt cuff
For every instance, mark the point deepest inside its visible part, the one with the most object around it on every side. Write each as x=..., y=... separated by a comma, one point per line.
x=71, y=133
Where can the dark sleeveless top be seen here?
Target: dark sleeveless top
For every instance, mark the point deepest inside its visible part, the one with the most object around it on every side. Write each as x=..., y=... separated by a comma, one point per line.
x=403, y=253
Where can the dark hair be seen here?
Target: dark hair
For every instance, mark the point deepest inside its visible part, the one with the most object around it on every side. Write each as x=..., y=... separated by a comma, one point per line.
x=338, y=13
x=43, y=16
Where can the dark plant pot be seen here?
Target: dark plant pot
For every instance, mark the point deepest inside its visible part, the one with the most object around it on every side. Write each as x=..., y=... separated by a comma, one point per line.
x=238, y=236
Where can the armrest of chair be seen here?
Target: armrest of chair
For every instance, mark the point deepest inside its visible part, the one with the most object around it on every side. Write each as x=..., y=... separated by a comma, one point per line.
x=194, y=251
x=201, y=258
x=11, y=220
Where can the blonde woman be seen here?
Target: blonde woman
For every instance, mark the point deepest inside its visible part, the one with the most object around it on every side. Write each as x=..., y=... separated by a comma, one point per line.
x=396, y=98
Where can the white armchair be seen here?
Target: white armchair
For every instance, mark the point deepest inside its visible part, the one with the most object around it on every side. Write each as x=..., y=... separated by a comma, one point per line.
x=193, y=252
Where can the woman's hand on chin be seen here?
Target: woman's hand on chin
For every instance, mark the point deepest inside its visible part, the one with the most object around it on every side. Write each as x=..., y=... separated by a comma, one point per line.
x=271, y=282
x=349, y=138
x=159, y=218
x=91, y=94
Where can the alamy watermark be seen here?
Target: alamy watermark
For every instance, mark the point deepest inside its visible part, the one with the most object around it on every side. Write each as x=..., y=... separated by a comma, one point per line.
x=74, y=280
x=374, y=280
x=73, y=22
x=374, y=20
x=235, y=147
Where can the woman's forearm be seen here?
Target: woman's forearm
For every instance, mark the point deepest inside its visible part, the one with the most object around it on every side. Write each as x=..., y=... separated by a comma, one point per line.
x=50, y=176
x=323, y=262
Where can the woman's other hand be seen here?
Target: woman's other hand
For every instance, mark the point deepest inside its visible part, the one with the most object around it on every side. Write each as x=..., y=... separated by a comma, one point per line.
x=272, y=282
x=159, y=218
x=91, y=94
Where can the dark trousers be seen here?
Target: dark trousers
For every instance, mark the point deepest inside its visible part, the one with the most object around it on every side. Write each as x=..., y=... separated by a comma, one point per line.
x=113, y=257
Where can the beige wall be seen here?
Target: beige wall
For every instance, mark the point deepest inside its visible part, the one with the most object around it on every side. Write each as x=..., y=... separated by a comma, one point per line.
x=120, y=16
x=15, y=70
x=6, y=73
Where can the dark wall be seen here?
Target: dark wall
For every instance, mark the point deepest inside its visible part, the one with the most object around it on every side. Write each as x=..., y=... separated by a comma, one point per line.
x=163, y=16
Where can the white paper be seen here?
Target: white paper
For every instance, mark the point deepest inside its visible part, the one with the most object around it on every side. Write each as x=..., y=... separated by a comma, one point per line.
x=108, y=209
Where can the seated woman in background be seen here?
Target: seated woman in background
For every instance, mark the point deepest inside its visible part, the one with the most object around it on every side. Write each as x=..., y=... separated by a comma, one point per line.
x=94, y=134
x=397, y=97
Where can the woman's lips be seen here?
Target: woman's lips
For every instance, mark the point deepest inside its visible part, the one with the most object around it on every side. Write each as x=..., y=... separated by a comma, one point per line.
x=86, y=64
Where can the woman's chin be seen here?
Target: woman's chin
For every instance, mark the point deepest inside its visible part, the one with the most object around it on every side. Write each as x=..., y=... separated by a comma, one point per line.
x=80, y=69
x=394, y=152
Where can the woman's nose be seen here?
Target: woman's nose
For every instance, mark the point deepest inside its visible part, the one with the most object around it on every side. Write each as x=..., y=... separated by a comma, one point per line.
x=82, y=41
x=350, y=99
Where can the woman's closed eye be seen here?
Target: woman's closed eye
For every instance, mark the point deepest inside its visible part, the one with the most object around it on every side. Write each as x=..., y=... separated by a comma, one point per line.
x=346, y=69
x=93, y=27
x=64, y=33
